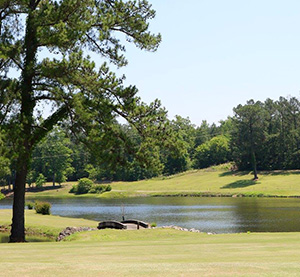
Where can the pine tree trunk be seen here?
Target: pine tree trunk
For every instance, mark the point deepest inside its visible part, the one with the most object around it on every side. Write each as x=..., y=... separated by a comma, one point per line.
x=254, y=166
x=24, y=144
x=18, y=220
x=253, y=157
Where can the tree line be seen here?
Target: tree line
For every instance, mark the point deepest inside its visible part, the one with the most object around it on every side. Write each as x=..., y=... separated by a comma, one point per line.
x=259, y=136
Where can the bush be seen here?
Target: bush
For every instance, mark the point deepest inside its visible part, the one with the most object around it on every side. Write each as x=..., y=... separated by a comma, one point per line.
x=73, y=189
x=29, y=205
x=100, y=189
x=153, y=224
x=42, y=207
x=2, y=196
x=40, y=181
x=108, y=188
x=84, y=185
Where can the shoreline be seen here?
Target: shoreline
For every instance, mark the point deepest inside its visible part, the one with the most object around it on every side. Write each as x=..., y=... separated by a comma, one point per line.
x=120, y=195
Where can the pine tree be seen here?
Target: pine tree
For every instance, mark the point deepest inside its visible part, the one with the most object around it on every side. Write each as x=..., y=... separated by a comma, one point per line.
x=46, y=43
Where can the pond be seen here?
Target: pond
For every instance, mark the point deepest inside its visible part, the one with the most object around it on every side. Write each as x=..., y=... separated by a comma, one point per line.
x=216, y=215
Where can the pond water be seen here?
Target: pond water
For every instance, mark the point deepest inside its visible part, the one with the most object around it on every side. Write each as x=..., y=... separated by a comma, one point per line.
x=217, y=215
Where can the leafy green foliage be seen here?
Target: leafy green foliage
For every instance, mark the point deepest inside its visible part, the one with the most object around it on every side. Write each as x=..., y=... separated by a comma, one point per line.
x=42, y=208
x=31, y=177
x=4, y=161
x=40, y=181
x=29, y=205
x=86, y=185
x=73, y=189
x=248, y=133
x=90, y=95
x=52, y=157
x=267, y=134
x=83, y=186
x=213, y=152
x=99, y=189
x=1, y=196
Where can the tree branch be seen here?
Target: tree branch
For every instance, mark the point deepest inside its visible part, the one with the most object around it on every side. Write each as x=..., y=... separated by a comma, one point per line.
x=48, y=124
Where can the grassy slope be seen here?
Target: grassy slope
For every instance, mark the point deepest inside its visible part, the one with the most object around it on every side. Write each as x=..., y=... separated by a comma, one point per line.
x=45, y=224
x=209, y=181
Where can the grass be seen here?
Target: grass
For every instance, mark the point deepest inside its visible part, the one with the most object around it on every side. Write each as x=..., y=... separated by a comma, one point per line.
x=208, y=182
x=45, y=225
x=158, y=252
x=155, y=252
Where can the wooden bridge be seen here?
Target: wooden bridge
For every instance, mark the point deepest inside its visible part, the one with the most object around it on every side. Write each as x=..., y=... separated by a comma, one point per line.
x=130, y=224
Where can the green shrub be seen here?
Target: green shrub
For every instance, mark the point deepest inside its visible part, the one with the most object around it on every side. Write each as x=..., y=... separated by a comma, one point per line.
x=153, y=224
x=29, y=205
x=93, y=190
x=99, y=189
x=42, y=207
x=84, y=185
x=108, y=188
x=40, y=181
x=73, y=189
x=2, y=196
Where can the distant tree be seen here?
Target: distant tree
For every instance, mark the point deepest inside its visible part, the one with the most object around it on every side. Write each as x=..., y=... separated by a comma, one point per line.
x=225, y=127
x=202, y=133
x=282, y=144
x=185, y=130
x=289, y=132
x=40, y=180
x=4, y=162
x=213, y=152
x=53, y=157
x=177, y=156
x=80, y=159
x=248, y=134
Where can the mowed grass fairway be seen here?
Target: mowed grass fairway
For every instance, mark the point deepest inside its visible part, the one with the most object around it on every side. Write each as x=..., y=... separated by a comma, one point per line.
x=211, y=181
x=155, y=252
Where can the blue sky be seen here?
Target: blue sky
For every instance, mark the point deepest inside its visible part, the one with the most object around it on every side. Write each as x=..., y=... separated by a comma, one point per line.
x=216, y=54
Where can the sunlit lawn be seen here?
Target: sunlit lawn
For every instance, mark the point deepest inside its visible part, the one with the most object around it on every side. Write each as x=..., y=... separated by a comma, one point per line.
x=210, y=181
x=155, y=252
x=46, y=224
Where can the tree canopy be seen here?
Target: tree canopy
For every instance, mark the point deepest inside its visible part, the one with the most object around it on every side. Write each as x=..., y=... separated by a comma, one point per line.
x=45, y=58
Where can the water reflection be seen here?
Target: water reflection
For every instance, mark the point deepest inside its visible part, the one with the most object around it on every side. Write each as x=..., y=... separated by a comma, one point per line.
x=218, y=215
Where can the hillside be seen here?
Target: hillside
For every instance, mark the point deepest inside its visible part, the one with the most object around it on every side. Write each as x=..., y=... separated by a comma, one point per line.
x=214, y=181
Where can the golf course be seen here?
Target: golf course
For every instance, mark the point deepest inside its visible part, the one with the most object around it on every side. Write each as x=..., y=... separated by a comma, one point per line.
x=157, y=251
x=153, y=252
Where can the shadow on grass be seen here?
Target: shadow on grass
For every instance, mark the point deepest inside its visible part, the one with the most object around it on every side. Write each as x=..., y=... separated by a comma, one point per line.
x=233, y=173
x=46, y=188
x=240, y=184
x=280, y=172
x=264, y=173
x=9, y=192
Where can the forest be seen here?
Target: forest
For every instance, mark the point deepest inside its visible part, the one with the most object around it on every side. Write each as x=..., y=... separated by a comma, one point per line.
x=259, y=136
